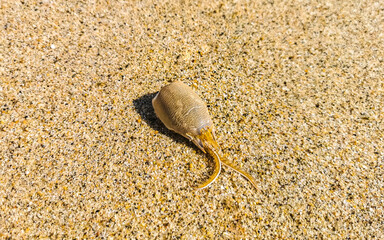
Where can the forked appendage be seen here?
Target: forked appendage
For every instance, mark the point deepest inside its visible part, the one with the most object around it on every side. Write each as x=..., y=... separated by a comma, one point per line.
x=211, y=147
x=237, y=169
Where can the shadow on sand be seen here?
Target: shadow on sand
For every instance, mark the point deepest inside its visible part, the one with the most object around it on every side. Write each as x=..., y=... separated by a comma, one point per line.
x=143, y=105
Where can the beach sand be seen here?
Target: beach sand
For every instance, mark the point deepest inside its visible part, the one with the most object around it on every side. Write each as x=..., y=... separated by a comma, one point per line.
x=295, y=90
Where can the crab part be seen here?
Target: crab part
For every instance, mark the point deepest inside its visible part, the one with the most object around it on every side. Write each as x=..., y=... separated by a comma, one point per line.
x=182, y=111
x=210, y=146
x=216, y=171
x=246, y=175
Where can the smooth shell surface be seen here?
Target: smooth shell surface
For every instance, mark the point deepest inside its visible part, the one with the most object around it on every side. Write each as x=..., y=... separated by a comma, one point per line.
x=181, y=109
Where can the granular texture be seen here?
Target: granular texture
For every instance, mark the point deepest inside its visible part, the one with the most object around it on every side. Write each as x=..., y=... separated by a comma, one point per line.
x=295, y=90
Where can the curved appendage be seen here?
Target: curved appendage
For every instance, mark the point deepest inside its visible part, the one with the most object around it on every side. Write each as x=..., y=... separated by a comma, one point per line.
x=215, y=173
x=210, y=146
x=246, y=175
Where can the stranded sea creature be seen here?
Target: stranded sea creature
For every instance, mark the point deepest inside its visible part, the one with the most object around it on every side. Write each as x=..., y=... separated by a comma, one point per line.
x=182, y=111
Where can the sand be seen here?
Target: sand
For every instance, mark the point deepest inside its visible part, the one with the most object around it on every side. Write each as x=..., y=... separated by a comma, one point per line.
x=295, y=90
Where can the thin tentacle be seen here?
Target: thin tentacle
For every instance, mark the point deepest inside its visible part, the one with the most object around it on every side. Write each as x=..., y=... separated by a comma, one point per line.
x=246, y=175
x=216, y=171
x=211, y=147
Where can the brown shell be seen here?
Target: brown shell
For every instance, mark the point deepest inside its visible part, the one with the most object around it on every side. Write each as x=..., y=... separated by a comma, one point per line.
x=181, y=110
